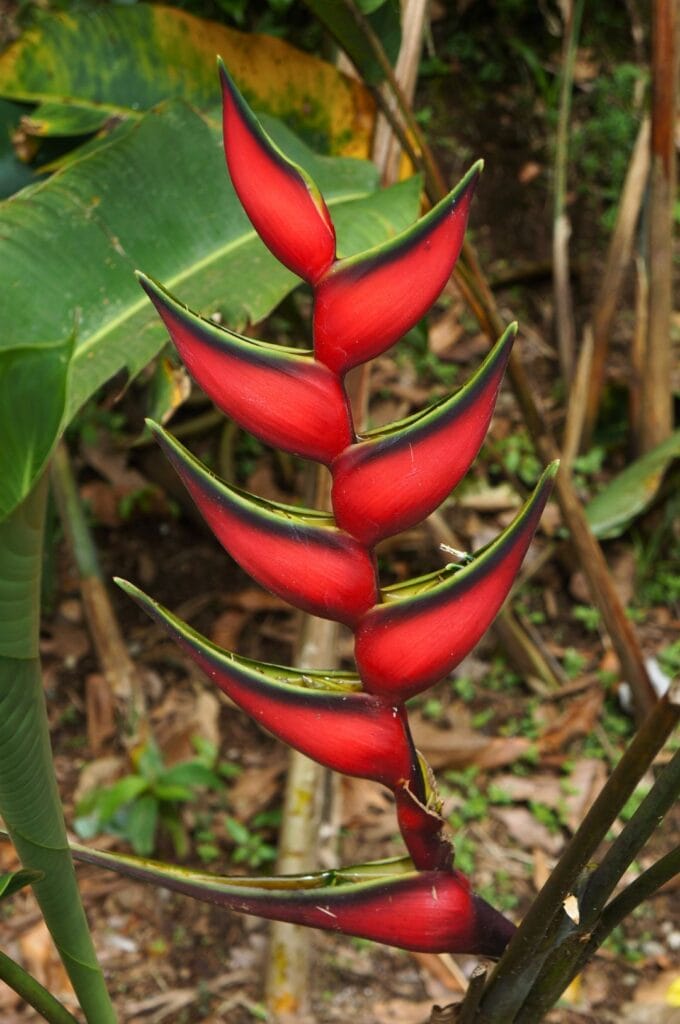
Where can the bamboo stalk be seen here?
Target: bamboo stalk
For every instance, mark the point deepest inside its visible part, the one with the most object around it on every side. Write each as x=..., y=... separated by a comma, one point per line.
x=564, y=310
x=289, y=961
x=656, y=421
x=619, y=255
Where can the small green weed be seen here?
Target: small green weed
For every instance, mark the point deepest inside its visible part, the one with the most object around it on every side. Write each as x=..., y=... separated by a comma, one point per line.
x=140, y=805
x=251, y=843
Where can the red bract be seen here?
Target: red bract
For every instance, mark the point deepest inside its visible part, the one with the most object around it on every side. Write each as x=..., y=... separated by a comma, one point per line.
x=428, y=911
x=336, y=579
x=394, y=477
x=367, y=302
x=284, y=397
x=348, y=731
x=424, y=832
x=404, y=646
x=285, y=206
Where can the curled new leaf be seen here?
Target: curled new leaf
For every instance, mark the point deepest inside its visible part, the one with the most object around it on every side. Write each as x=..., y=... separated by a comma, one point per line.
x=404, y=646
x=298, y=554
x=396, y=476
x=427, y=911
x=366, y=302
x=283, y=203
x=283, y=396
x=320, y=714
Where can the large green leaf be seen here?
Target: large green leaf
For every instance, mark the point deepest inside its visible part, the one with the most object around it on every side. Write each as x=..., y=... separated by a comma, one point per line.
x=84, y=66
x=157, y=198
x=632, y=492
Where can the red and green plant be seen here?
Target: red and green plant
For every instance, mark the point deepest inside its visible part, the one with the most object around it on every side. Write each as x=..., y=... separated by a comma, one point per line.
x=408, y=636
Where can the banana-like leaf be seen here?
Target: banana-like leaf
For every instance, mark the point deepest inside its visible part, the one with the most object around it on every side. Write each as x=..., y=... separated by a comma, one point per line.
x=403, y=647
x=282, y=395
x=426, y=911
x=349, y=731
x=298, y=554
x=13, y=881
x=284, y=205
x=394, y=477
x=367, y=302
x=68, y=249
x=88, y=66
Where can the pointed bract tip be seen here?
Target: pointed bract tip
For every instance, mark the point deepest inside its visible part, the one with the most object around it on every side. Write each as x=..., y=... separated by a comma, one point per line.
x=125, y=585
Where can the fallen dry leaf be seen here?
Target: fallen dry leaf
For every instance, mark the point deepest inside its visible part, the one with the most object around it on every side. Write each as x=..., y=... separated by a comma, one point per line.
x=527, y=831
x=578, y=720
x=100, y=711
x=40, y=958
x=403, y=1010
x=256, y=787
x=460, y=747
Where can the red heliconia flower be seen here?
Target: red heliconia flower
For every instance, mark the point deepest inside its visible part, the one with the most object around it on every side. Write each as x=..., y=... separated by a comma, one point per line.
x=424, y=832
x=367, y=302
x=395, y=476
x=426, y=911
x=283, y=396
x=404, y=646
x=319, y=713
x=335, y=579
x=285, y=206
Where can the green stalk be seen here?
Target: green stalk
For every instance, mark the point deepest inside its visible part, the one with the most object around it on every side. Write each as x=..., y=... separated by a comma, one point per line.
x=33, y=993
x=29, y=798
x=515, y=975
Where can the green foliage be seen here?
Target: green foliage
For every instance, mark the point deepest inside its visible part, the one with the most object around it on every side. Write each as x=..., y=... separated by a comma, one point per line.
x=138, y=806
x=601, y=144
x=252, y=842
x=54, y=354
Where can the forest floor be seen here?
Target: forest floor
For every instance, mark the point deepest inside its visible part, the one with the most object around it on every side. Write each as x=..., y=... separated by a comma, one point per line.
x=519, y=763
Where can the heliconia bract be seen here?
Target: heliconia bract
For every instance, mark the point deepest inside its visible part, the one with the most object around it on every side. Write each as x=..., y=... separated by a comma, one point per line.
x=427, y=911
x=285, y=206
x=407, y=636
x=365, y=303
x=403, y=647
x=284, y=397
x=393, y=478
x=336, y=579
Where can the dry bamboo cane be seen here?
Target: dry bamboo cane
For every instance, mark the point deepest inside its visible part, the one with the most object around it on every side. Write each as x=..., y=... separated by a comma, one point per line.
x=656, y=413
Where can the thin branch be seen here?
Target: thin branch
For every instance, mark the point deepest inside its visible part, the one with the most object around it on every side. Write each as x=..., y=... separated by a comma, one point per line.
x=630, y=841
x=33, y=993
x=505, y=994
x=646, y=885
